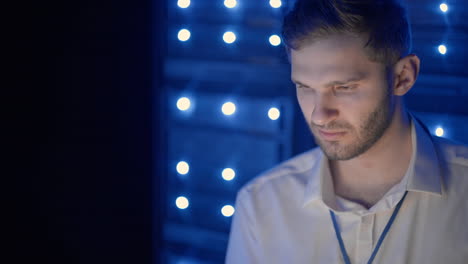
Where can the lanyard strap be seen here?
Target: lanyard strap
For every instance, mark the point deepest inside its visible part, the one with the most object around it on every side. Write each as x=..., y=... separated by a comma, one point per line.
x=381, y=238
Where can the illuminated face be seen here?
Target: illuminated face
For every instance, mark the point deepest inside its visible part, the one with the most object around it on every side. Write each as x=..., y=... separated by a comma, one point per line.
x=343, y=95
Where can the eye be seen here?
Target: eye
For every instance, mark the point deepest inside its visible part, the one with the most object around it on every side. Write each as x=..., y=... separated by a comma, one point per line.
x=300, y=87
x=345, y=88
x=342, y=87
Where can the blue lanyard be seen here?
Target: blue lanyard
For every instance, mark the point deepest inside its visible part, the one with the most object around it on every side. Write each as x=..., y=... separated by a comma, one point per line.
x=382, y=236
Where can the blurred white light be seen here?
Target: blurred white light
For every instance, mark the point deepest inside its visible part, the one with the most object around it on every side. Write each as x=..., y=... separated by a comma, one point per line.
x=439, y=131
x=230, y=3
x=182, y=202
x=229, y=37
x=183, y=104
x=273, y=113
x=228, y=108
x=275, y=3
x=183, y=35
x=275, y=40
x=227, y=210
x=183, y=167
x=443, y=7
x=228, y=174
x=442, y=49
x=183, y=3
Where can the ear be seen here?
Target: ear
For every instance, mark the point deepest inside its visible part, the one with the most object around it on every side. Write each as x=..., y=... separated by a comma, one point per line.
x=406, y=72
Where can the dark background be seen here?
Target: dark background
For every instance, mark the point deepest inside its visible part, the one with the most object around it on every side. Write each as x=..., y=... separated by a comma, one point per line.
x=82, y=98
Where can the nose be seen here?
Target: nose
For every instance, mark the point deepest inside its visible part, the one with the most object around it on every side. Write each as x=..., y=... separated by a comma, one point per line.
x=324, y=111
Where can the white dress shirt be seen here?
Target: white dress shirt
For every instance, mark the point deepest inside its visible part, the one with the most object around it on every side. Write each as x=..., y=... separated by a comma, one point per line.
x=282, y=216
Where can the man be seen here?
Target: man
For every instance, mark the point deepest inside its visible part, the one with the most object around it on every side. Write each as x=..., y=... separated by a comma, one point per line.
x=379, y=189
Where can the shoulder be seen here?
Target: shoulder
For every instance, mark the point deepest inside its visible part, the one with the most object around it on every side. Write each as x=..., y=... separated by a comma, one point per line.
x=454, y=153
x=294, y=169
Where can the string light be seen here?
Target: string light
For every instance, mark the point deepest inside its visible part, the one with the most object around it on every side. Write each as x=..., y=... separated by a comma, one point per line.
x=275, y=3
x=443, y=7
x=183, y=167
x=182, y=202
x=228, y=108
x=230, y=3
x=229, y=37
x=228, y=174
x=228, y=210
x=183, y=104
x=183, y=3
x=273, y=113
x=442, y=49
x=183, y=35
x=275, y=40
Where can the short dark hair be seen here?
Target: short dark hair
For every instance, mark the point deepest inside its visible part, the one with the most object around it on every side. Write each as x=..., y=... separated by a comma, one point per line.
x=383, y=22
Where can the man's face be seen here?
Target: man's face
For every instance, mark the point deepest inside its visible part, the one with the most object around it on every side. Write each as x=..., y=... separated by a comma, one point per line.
x=343, y=95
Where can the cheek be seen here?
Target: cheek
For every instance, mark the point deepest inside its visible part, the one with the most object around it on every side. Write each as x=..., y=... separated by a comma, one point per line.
x=357, y=108
x=306, y=102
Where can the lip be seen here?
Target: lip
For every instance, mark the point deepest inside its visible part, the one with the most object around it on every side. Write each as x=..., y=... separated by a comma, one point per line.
x=331, y=135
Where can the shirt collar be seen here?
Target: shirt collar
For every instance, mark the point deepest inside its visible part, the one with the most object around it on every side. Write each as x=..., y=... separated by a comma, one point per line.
x=423, y=175
x=427, y=170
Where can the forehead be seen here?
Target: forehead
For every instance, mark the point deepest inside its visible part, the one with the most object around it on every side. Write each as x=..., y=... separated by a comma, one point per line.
x=336, y=56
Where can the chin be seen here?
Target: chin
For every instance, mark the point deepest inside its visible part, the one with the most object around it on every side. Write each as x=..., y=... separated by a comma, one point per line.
x=339, y=151
x=336, y=154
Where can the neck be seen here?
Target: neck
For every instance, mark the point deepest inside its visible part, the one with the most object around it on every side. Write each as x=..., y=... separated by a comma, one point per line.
x=366, y=178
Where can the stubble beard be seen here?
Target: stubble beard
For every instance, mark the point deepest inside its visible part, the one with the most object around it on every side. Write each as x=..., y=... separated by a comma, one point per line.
x=369, y=132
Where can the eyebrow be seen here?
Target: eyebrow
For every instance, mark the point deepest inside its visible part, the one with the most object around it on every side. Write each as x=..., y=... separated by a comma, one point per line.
x=334, y=83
